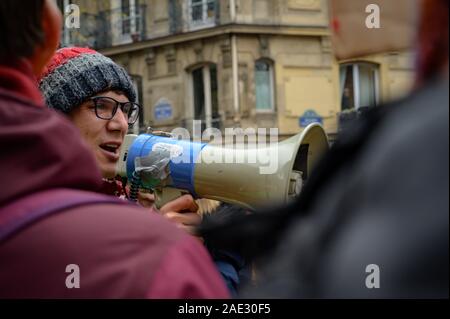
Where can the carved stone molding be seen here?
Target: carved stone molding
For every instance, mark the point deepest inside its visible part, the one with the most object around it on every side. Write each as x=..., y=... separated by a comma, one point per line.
x=198, y=49
x=171, y=59
x=225, y=47
x=150, y=59
x=264, y=46
x=325, y=44
x=125, y=62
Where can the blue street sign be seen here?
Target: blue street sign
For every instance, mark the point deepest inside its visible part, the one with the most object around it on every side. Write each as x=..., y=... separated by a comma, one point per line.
x=310, y=116
x=163, y=110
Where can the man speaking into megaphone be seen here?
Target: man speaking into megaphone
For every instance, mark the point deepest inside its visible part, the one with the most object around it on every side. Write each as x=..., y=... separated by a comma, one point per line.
x=250, y=174
x=100, y=102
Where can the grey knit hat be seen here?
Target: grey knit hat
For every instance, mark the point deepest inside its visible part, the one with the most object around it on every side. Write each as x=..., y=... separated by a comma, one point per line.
x=75, y=74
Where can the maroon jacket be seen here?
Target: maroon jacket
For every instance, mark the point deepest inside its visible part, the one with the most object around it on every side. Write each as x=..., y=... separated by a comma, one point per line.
x=122, y=251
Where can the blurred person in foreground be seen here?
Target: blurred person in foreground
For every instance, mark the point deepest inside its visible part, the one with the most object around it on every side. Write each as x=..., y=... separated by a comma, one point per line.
x=377, y=202
x=50, y=216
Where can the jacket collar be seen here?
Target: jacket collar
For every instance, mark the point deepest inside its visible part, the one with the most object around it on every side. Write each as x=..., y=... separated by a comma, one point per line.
x=18, y=78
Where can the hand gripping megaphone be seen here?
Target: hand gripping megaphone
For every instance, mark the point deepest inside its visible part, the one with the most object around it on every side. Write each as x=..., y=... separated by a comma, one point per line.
x=251, y=176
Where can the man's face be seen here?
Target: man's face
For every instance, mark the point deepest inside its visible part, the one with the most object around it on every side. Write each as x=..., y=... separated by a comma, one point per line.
x=104, y=137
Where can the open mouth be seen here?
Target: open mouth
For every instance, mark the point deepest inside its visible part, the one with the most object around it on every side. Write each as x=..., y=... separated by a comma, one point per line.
x=113, y=149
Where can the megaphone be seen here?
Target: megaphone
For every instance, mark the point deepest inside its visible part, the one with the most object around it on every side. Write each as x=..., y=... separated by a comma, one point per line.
x=250, y=176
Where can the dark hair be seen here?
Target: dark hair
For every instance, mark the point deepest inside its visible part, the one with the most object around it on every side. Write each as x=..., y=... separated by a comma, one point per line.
x=20, y=28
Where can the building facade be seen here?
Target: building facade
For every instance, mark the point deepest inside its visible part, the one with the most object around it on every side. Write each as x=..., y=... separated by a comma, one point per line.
x=236, y=63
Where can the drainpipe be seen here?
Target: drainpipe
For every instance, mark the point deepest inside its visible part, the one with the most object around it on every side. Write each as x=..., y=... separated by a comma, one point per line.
x=235, y=63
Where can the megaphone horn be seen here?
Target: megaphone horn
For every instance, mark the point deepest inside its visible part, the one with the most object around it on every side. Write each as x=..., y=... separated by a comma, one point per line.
x=249, y=176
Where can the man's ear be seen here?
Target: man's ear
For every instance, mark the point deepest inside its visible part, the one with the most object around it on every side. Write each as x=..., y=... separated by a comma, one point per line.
x=51, y=27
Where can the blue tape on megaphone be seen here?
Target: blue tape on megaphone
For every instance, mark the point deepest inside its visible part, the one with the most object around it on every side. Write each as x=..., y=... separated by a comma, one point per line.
x=183, y=157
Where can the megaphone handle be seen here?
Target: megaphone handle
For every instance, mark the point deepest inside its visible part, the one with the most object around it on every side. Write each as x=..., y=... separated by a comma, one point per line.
x=167, y=194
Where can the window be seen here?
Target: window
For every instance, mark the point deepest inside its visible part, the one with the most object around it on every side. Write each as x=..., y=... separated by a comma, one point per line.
x=127, y=21
x=130, y=17
x=359, y=85
x=264, y=86
x=202, y=13
x=205, y=96
x=126, y=25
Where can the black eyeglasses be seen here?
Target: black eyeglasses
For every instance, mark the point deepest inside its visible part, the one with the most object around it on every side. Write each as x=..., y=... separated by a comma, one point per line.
x=106, y=108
